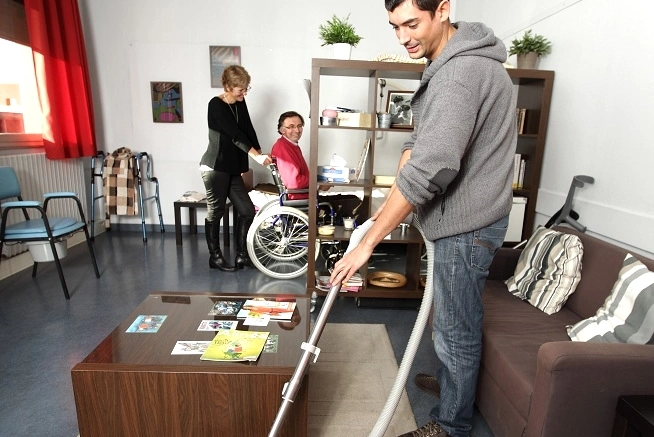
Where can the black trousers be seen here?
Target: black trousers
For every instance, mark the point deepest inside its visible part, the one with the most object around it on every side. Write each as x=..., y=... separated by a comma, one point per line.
x=221, y=186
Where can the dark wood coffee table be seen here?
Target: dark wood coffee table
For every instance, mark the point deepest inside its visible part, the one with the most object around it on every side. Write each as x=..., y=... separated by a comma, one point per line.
x=131, y=385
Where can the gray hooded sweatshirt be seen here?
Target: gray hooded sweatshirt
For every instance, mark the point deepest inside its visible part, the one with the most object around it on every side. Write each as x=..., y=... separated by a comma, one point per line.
x=464, y=140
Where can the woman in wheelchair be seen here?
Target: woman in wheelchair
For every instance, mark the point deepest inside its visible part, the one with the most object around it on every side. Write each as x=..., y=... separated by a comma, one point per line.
x=232, y=139
x=294, y=170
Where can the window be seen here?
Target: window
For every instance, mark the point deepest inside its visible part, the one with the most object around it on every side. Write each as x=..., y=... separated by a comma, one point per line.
x=20, y=111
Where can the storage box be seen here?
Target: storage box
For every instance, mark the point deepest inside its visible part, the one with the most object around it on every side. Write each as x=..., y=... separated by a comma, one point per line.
x=354, y=119
x=327, y=173
x=516, y=218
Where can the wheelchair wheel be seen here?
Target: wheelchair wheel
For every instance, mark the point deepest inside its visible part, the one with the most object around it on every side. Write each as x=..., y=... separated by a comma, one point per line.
x=271, y=204
x=277, y=242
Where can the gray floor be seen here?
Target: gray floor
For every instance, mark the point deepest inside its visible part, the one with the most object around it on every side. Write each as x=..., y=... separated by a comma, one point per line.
x=43, y=336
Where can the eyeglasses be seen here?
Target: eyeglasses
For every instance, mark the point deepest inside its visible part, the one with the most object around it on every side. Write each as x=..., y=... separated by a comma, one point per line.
x=243, y=90
x=291, y=127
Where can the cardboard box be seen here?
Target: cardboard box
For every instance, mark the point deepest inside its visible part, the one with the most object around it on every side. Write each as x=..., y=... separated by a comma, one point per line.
x=354, y=119
x=328, y=173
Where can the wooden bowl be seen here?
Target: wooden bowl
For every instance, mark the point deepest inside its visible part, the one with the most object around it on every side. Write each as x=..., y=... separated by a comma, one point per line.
x=387, y=279
x=326, y=230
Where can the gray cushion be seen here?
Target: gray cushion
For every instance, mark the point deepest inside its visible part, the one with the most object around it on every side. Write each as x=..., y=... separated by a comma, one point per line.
x=627, y=315
x=548, y=270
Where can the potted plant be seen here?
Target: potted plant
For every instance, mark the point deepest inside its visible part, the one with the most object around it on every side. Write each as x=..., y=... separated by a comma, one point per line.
x=529, y=48
x=340, y=33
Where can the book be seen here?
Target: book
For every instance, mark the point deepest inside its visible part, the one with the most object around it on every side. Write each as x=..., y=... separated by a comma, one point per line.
x=215, y=325
x=516, y=169
x=146, y=323
x=362, y=160
x=235, y=345
x=190, y=347
x=225, y=308
x=272, y=309
x=521, y=173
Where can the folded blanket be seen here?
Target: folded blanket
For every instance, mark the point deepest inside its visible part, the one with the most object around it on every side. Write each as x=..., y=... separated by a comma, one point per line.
x=118, y=176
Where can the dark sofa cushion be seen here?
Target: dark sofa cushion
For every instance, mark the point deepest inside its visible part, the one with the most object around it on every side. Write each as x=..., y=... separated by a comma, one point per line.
x=599, y=269
x=513, y=331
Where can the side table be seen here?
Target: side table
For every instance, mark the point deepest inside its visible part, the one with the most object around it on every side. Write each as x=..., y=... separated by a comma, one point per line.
x=193, y=219
x=634, y=416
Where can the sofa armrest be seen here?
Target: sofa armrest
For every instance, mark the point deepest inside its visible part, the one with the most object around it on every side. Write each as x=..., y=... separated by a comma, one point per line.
x=578, y=384
x=504, y=263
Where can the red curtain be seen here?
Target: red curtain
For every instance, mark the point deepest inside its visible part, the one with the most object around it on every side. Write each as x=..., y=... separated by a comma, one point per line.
x=62, y=78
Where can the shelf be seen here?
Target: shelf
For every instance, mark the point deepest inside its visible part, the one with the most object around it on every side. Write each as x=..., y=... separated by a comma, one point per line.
x=534, y=91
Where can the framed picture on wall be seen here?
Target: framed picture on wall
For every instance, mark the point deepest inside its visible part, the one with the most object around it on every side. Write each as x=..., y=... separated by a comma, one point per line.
x=399, y=106
x=167, y=102
x=221, y=57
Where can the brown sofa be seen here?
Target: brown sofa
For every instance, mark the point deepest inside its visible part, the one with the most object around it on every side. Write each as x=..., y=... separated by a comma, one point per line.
x=535, y=381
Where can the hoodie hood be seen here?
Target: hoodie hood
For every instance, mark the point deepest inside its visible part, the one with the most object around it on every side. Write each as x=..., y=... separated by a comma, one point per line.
x=470, y=39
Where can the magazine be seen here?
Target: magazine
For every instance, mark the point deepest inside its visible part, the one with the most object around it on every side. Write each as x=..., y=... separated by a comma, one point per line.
x=190, y=347
x=259, y=308
x=216, y=325
x=145, y=323
x=225, y=308
x=233, y=345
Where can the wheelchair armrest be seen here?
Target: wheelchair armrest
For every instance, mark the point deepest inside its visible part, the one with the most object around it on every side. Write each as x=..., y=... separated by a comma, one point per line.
x=297, y=191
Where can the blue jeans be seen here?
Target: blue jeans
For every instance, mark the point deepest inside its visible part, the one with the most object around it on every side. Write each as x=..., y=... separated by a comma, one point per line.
x=461, y=265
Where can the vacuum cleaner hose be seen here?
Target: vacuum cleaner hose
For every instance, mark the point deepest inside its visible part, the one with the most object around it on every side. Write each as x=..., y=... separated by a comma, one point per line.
x=414, y=341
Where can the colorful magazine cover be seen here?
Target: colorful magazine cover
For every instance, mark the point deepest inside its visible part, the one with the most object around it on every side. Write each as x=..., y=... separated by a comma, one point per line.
x=149, y=324
x=276, y=310
x=235, y=345
x=216, y=325
x=225, y=308
x=190, y=347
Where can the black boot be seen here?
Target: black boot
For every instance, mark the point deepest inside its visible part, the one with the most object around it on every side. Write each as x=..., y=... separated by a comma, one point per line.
x=216, y=259
x=242, y=256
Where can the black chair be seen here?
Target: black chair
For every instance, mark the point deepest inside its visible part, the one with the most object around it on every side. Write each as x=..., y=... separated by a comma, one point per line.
x=49, y=230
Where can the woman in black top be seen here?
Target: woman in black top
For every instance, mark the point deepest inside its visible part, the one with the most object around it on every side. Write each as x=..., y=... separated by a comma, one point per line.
x=231, y=139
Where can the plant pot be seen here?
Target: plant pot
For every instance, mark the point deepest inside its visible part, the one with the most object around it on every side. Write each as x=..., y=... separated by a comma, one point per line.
x=342, y=51
x=528, y=61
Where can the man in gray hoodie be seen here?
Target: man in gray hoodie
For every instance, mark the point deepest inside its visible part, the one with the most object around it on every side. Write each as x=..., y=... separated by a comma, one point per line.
x=456, y=172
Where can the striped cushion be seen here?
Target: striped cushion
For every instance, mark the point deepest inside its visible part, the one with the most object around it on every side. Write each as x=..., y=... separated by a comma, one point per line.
x=627, y=315
x=548, y=269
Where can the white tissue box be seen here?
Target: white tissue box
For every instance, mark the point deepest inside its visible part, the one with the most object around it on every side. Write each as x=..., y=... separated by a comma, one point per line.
x=328, y=173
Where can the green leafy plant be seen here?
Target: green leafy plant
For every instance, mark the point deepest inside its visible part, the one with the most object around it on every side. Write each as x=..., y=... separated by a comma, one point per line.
x=530, y=43
x=339, y=30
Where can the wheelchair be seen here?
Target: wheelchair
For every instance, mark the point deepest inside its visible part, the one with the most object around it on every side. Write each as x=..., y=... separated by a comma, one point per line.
x=278, y=239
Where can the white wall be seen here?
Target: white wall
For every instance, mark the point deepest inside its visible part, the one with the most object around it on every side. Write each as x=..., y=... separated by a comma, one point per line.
x=598, y=121
x=601, y=110
x=131, y=43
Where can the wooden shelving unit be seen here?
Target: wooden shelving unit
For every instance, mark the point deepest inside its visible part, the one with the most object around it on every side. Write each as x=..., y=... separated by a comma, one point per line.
x=372, y=71
x=534, y=91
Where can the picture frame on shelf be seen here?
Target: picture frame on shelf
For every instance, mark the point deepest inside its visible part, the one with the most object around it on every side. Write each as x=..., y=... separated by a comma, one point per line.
x=398, y=105
x=219, y=58
x=167, y=102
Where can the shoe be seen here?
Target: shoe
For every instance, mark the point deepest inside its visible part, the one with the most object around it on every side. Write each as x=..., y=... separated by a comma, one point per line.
x=428, y=383
x=432, y=429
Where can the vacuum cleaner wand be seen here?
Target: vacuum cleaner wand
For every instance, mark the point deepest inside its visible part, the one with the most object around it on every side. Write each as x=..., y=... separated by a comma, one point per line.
x=309, y=347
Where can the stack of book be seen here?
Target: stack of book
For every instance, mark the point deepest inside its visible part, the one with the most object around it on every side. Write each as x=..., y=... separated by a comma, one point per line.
x=519, y=165
x=353, y=285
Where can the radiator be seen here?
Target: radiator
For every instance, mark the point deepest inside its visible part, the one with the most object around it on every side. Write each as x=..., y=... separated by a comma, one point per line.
x=38, y=175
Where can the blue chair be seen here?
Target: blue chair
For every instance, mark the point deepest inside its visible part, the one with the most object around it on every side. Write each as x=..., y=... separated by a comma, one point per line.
x=46, y=229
